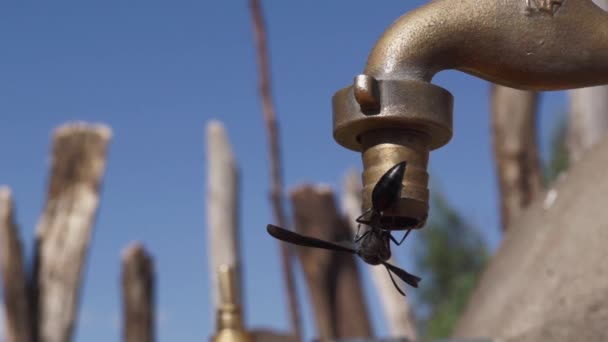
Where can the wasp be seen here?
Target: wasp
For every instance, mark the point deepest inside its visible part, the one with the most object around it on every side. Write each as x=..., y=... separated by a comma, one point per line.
x=385, y=194
x=373, y=247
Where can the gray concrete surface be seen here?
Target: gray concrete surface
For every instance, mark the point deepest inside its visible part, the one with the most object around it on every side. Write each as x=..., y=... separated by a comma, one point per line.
x=549, y=279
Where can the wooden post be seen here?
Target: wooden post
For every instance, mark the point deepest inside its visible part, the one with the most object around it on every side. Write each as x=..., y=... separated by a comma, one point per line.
x=138, y=295
x=515, y=150
x=588, y=115
x=399, y=339
x=397, y=310
x=18, y=326
x=222, y=209
x=332, y=277
x=263, y=335
x=65, y=228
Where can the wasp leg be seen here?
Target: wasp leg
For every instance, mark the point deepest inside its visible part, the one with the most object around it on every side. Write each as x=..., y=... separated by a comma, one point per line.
x=393, y=280
x=402, y=239
x=358, y=230
x=358, y=238
x=360, y=218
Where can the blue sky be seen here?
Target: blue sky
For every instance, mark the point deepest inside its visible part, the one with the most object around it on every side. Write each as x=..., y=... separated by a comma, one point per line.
x=156, y=72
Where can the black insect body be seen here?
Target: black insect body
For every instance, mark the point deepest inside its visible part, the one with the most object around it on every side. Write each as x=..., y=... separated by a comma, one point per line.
x=373, y=248
x=385, y=194
x=387, y=189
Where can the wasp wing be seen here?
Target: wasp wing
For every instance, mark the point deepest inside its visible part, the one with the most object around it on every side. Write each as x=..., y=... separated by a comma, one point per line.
x=307, y=241
x=409, y=278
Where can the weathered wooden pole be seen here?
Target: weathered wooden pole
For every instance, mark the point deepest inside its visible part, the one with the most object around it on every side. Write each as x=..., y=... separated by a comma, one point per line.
x=64, y=231
x=18, y=327
x=588, y=115
x=265, y=335
x=516, y=155
x=222, y=210
x=332, y=277
x=138, y=295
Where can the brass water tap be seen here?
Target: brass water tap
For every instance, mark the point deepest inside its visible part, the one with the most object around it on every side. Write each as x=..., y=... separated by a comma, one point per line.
x=392, y=112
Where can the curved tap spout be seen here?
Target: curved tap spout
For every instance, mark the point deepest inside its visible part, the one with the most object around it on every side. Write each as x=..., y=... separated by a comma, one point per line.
x=524, y=44
x=393, y=113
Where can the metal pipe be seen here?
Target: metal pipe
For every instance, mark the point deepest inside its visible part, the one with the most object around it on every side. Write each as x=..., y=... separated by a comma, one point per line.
x=523, y=44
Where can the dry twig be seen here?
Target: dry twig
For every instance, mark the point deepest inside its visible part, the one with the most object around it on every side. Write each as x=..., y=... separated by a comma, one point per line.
x=276, y=191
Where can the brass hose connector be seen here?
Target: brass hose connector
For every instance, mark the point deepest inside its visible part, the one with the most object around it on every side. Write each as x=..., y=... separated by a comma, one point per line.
x=229, y=315
x=389, y=122
x=393, y=113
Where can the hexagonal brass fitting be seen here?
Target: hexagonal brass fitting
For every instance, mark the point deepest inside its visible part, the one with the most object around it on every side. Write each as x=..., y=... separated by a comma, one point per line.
x=390, y=121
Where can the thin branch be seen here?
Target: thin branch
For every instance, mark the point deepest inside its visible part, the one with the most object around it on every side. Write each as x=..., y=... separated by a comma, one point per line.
x=65, y=228
x=276, y=191
x=18, y=320
x=138, y=295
